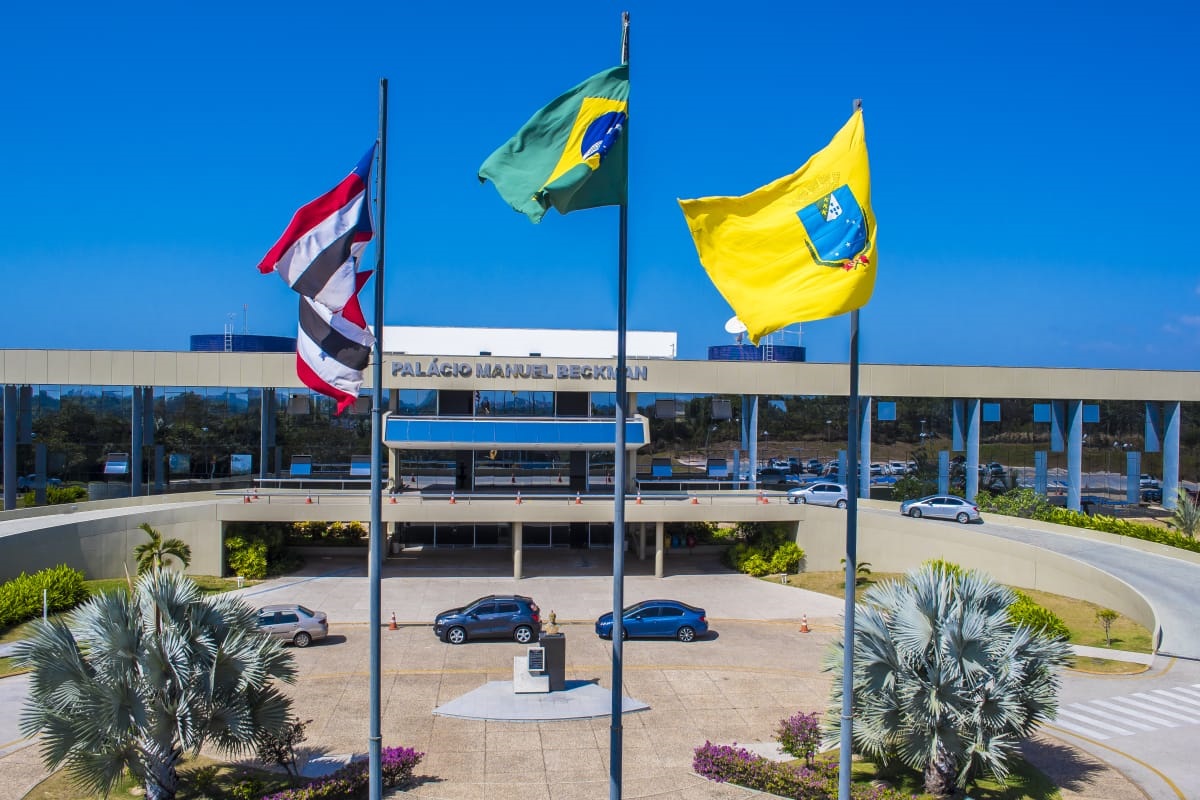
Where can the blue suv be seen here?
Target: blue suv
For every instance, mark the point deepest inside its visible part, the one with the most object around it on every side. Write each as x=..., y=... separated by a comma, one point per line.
x=510, y=616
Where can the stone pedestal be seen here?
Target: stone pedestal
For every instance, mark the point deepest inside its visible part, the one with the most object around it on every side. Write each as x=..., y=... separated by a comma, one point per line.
x=556, y=659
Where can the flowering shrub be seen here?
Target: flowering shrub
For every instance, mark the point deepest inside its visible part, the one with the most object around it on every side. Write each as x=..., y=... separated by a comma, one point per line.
x=799, y=736
x=732, y=764
x=351, y=780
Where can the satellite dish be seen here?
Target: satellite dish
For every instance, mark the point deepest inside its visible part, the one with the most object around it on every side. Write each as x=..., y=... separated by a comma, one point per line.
x=735, y=325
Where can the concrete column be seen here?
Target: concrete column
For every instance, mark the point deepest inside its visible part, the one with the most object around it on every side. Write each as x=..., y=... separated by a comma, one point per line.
x=1040, y=471
x=641, y=541
x=1133, y=471
x=39, y=466
x=658, y=549
x=864, y=447
x=1154, y=428
x=136, y=429
x=266, y=413
x=518, y=534
x=957, y=424
x=751, y=417
x=1058, y=416
x=1074, y=454
x=159, y=457
x=972, y=465
x=943, y=471
x=1170, y=476
x=10, y=447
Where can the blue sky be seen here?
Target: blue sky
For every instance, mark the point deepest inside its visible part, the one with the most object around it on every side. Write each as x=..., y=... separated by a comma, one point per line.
x=1034, y=166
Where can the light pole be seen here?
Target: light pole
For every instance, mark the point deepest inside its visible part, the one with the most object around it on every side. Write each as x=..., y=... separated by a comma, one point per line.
x=922, y=430
x=828, y=422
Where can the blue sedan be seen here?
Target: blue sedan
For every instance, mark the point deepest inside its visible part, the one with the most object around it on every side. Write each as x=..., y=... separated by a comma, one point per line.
x=657, y=618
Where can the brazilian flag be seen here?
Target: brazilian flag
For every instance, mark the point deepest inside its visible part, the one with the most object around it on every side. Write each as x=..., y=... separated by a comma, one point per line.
x=570, y=154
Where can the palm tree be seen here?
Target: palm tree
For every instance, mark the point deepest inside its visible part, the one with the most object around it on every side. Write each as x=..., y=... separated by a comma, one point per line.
x=1187, y=513
x=155, y=554
x=136, y=681
x=943, y=681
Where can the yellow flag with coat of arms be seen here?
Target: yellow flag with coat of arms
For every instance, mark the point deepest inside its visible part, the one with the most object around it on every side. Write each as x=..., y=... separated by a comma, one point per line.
x=798, y=249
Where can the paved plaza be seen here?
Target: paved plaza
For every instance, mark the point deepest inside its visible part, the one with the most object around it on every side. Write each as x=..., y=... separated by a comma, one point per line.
x=755, y=668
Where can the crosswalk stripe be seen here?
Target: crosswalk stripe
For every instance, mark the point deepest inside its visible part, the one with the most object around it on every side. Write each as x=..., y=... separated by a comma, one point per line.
x=1123, y=718
x=1143, y=715
x=1187, y=691
x=1156, y=709
x=1179, y=697
x=1077, y=729
x=1094, y=722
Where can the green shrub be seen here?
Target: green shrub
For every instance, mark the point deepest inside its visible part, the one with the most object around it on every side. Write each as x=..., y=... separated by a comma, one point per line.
x=948, y=567
x=21, y=597
x=55, y=495
x=1039, y=618
x=246, y=557
x=1024, y=503
x=786, y=558
x=910, y=487
x=756, y=566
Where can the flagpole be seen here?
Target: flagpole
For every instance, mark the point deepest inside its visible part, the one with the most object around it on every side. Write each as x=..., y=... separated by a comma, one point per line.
x=851, y=478
x=375, y=558
x=619, y=462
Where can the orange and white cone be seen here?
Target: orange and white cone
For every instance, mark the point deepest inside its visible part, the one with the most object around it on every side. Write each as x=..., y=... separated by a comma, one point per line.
x=452, y=498
x=639, y=498
x=308, y=500
x=246, y=499
x=392, y=625
x=393, y=500
x=578, y=499
x=518, y=498
x=804, y=624
x=695, y=500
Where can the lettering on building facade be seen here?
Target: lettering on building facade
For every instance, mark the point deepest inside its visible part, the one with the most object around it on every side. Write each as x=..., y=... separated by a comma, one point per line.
x=437, y=368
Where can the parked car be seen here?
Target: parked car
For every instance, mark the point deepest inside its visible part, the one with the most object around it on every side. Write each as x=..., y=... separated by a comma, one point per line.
x=1146, y=481
x=820, y=494
x=901, y=468
x=27, y=483
x=293, y=623
x=775, y=478
x=1152, y=494
x=941, y=506
x=509, y=616
x=813, y=466
x=656, y=618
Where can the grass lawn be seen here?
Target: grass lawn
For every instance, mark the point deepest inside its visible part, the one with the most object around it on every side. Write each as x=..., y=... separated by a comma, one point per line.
x=1026, y=782
x=200, y=777
x=1079, y=616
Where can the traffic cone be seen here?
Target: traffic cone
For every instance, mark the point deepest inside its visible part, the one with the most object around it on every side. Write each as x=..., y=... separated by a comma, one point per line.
x=392, y=624
x=695, y=500
x=761, y=497
x=452, y=498
x=578, y=499
x=246, y=499
x=518, y=498
x=308, y=500
x=393, y=500
x=804, y=624
x=639, y=497
x=255, y=494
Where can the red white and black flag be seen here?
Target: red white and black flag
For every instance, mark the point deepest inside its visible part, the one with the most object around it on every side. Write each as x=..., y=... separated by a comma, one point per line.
x=316, y=255
x=333, y=348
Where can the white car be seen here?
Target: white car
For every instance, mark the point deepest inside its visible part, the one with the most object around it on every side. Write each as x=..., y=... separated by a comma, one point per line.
x=941, y=506
x=899, y=468
x=1146, y=481
x=819, y=494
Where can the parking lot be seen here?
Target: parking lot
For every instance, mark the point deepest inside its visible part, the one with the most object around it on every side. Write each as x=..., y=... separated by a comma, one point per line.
x=753, y=669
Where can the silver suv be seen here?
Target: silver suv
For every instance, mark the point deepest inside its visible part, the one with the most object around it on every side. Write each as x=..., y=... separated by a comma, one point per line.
x=293, y=623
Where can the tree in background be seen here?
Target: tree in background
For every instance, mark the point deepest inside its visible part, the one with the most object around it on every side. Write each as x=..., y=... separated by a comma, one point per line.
x=156, y=553
x=136, y=681
x=944, y=682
